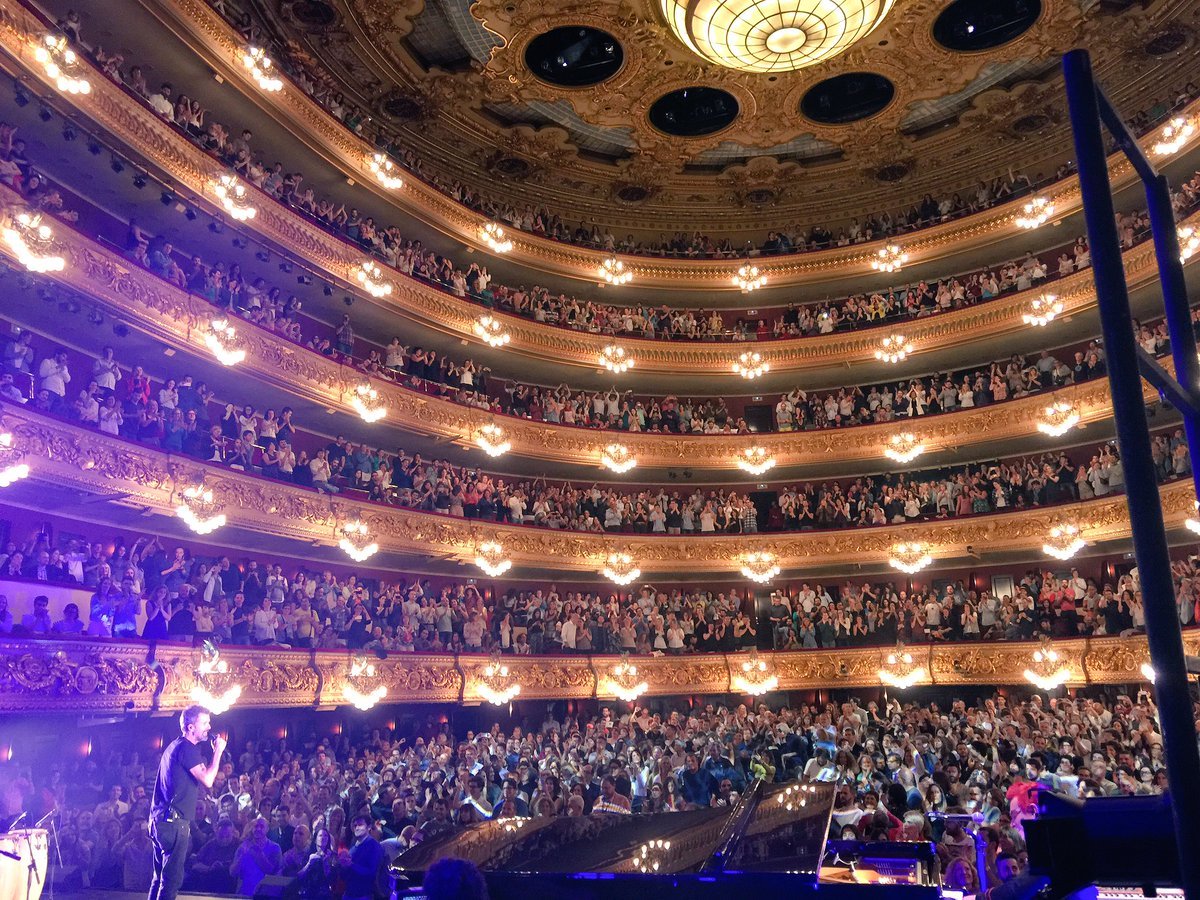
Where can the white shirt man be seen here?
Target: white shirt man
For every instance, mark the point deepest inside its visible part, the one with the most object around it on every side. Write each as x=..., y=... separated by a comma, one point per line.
x=53, y=375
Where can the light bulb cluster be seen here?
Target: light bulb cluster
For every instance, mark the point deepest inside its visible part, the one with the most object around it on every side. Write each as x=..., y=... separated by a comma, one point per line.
x=1043, y=310
x=794, y=796
x=1189, y=242
x=222, y=339
x=1192, y=523
x=261, y=69
x=910, y=558
x=490, y=558
x=1174, y=135
x=11, y=472
x=367, y=403
x=750, y=365
x=357, y=690
x=496, y=685
x=755, y=460
x=618, y=458
x=215, y=688
x=1036, y=213
x=903, y=447
x=747, y=278
x=198, y=510
x=756, y=677
x=356, y=541
x=61, y=65
x=32, y=241
x=384, y=171
x=370, y=276
x=624, y=683
x=1064, y=541
x=1058, y=418
x=651, y=856
x=492, y=234
x=491, y=331
x=614, y=271
x=900, y=671
x=235, y=197
x=615, y=359
x=893, y=349
x=492, y=440
x=889, y=259
x=619, y=568
x=1047, y=672
x=760, y=567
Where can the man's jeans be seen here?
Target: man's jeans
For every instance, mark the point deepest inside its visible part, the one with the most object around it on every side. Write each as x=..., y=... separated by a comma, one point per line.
x=171, y=840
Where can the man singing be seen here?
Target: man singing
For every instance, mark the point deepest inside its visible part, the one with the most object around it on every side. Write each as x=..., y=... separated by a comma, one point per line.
x=180, y=773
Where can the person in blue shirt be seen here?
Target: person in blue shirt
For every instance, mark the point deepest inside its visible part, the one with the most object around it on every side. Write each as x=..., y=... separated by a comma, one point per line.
x=696, y=784
x=360, y=865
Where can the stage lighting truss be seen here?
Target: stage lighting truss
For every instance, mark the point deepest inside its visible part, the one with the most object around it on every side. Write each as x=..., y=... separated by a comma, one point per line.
x=490, y=558
x=619, y=568
x=618, y=458
x=1058, y=418
x=615, y=272
x=889, y=259
x=385, y=171
x=261, y=69
x=623, y=681
x=216, y=688
x=760, y=567
x=61, y=65
x=1064, y=541
x=363, y=689
x=747, y=278
x=1047, y=671
x=893, y=349
x=904, y=447
x=222, y=339
x=356, y=541
x=910, y=558
x=497, y=685
x=750, y=365
x=1174, y=135
x=370, y=276
x=1043, y=310
x=367, y=402
x=755, y=460
x=492, y=234
x=491, y=331
x=616, y=359
x=492, y=440
x=1035, y=213
x=756, y=677
x=234, y=197
x=32, y=242
x=12, y=469
x=199, y=511
x=900, y=670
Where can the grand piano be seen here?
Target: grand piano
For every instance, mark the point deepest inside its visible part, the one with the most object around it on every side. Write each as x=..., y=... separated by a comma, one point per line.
x=773, y=839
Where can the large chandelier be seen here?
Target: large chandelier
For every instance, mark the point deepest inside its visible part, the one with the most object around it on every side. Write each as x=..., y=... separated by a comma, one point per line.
x=618, y=457
x=32, y=242
x=1189, y=243
x=750, y=365
x=370, y=276
x=216, y=688
x=384, y=171
x=358, y=689
x=1043, y=310
x=198, y=510
x=235, y=197
x=490, y=558
x=910, y=558
x=356, y=541
x=793, y=796
x=1174, y=135
x=1036, y=213
x=760, y=567
x=755, y=460
x=492, y=440
x=222, y=339
x=903, y=447
x=900, y=670
x=496, y=685
x=61, y=65
x=615, y=359
x=747, y=278
x=614, y=271
x=367, y=402
x=772, y=35
x=1064, y=541
x=889, y=259
x=619, y=568
x=756, y=677
x=623, y=681
x=491, y=331
x=1058, y=418
x=492, y=234
x=652, y=855
x=1192, y=523
x=261, y=69
x=893, y=349
x=10, y=471
x=1047, y=672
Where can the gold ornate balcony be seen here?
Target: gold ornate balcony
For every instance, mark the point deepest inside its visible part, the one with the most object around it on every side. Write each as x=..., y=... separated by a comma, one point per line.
x=149, y=478
x=180, y=319
x=113, y=110
x=94, y=676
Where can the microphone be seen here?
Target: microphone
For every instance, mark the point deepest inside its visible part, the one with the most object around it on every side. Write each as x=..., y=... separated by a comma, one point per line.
x=42, y=821
x=17, y=821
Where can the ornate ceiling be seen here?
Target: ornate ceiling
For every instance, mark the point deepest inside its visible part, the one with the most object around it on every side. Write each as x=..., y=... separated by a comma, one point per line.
x=453, y=78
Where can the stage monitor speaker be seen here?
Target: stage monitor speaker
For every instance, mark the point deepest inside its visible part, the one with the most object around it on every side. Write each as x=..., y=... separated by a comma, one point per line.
x=278, y=887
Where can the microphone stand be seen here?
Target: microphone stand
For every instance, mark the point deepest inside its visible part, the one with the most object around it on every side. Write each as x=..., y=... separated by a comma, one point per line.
x=52, y=818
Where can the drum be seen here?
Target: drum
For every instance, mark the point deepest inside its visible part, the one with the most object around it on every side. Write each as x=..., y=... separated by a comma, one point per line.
x=18, y=881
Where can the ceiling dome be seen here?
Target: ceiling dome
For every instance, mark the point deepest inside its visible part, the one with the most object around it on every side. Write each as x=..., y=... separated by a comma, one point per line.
x=772, y=35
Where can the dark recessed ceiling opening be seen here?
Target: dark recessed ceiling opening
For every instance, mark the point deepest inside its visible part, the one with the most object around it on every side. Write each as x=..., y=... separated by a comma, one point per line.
x=574, y=56
x=847, y=98
x=971, y=25
x=694, y=111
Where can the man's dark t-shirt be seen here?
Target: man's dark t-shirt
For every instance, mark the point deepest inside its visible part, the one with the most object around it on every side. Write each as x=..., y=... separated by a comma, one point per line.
x=176, y=788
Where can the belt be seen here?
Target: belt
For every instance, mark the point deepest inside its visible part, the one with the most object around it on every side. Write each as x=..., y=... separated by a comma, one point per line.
x=169, y=816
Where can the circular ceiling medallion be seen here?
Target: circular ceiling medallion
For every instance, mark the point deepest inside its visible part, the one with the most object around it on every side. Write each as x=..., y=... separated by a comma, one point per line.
x=972, y=25
x=693, y=111
x=313, y=13
x=847, y=98
x=632, y=193
x=574, y=56
x=1170, y=40
x=892, y=172
x=1031, y=123
x=510, y=167
x=402, y=107
x=771, y=35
